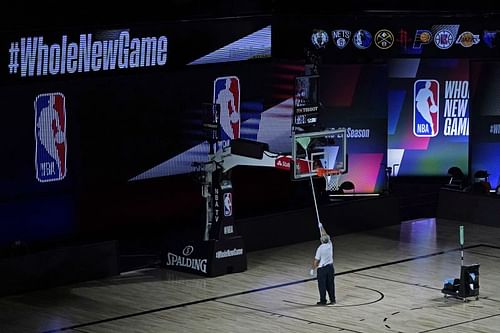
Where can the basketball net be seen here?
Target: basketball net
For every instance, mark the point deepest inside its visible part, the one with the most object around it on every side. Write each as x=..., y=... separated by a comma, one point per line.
x=332, y=178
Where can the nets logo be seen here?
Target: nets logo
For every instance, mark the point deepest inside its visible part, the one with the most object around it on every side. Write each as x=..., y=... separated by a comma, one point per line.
x=50, y=137
x=341, y=38
x=227, y=95
x=426, y=108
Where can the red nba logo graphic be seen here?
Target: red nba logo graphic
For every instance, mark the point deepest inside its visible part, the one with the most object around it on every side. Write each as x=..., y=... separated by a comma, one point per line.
x=227, y=95
x=50, y=137
x=426, y=108
x=228, y=204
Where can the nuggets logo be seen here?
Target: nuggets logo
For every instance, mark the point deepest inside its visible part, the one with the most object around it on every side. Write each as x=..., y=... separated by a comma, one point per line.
x=228, y=204
x=50, y=137
x=227, y=95
x=384, y=39
x=426, y=108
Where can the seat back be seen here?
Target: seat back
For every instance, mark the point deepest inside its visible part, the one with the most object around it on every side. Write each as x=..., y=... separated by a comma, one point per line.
x=347, y=186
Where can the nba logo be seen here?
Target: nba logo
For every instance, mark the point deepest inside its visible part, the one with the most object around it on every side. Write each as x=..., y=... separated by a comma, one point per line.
x=227, y=95
x=50, y=137
x=426, y=108
x=228, y=204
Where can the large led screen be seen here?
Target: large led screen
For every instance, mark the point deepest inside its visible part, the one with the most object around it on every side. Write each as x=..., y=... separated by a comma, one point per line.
x=354, y=97
x=90, y=110
x=485, y=120
x=428, y=116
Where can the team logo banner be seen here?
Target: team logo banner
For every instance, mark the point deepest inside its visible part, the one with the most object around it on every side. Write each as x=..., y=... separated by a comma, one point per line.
x=227, y=95
x=445, y=35
x=319, y=38
x=341, y=38
x=362, y=39
x=426, y=108
x=50, y=137
x=489, y=38
x=422, y=37
x=467, y=39
x=444, y=39
x=384, y=39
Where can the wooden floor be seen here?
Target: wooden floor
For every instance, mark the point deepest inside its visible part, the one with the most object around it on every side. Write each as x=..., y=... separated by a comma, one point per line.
x=387, y=280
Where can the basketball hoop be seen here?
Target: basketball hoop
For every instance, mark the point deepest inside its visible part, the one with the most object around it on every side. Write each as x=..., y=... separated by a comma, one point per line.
x=332, y=178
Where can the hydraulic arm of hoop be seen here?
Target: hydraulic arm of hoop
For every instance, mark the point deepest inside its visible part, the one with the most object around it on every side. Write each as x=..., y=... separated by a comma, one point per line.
x=206, y=187
x=216, y=186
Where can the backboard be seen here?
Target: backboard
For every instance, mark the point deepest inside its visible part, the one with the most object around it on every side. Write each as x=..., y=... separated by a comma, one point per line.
x=323, y=149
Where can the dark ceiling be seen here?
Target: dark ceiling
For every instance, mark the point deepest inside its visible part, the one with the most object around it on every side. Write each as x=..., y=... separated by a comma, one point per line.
x=22, y=15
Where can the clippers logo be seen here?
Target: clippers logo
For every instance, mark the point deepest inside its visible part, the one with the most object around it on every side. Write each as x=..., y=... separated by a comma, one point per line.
x=227, y=95
x=444, y=39
x=228, y=204
x=50, y=137
x=426, y=108
x=341, y=38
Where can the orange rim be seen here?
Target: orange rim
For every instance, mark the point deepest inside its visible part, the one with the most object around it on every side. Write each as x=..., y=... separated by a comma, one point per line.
x=321, y=172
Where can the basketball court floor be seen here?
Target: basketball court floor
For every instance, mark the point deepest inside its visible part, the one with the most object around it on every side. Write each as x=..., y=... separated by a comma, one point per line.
x=387, y=280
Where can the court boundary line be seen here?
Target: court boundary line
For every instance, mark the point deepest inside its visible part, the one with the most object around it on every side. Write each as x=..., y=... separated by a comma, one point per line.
x=216, y=298
x=288, y=316
x=460, y=323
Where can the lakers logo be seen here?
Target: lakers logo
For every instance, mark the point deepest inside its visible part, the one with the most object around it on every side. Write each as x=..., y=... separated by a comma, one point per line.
x=467, y=39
